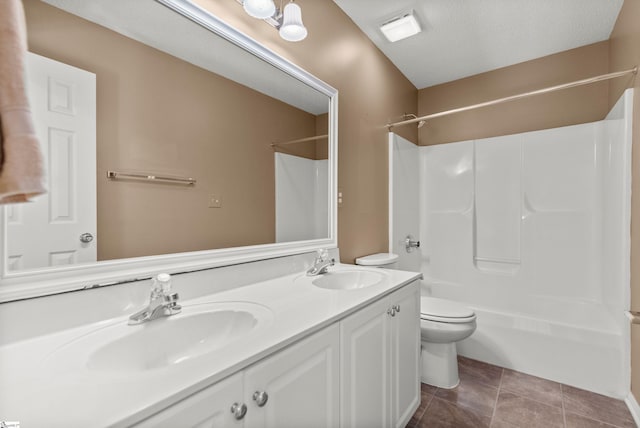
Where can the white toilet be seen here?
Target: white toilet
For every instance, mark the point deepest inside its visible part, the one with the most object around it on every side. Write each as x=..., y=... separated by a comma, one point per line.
x=442, y=324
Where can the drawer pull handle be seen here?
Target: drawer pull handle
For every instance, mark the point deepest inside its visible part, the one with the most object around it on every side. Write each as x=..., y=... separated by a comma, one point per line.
x=397, y=308
x=391, y=312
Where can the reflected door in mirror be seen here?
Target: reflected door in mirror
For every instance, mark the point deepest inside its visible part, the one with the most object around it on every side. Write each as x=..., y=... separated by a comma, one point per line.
x=49, y=231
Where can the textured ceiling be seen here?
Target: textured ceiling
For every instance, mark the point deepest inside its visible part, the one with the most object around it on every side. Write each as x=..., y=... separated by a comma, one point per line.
x=461, y=38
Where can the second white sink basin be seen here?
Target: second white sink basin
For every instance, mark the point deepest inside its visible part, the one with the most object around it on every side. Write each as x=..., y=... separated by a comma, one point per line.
x=348, y=279
x=163, y=342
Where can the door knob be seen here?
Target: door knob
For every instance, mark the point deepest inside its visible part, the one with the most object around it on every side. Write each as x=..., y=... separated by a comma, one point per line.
x=86, y=237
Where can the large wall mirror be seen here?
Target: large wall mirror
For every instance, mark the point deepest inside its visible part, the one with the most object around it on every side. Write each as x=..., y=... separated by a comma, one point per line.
x=172, y=141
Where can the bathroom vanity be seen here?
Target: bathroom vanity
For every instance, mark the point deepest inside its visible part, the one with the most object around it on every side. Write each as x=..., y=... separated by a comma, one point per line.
x=339, y=349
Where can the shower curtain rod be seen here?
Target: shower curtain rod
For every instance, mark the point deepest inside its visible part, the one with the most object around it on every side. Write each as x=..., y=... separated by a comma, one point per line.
x=600, y=78
x=300, y=140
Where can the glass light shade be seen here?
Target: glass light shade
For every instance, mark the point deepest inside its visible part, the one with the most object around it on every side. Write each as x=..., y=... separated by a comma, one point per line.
x=261, y=9
x=292, y=29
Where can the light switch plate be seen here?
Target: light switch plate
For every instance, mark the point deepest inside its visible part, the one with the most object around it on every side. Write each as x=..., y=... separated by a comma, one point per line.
x=215, y=201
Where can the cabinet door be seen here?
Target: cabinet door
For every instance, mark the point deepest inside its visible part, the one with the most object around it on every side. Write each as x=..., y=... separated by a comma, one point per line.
x=405, y=354
x=210, y=408
x=365, y=387
x=300, y=384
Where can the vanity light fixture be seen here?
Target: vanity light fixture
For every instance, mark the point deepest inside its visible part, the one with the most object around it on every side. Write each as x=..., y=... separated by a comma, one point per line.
x=287, y=20
x=261, y=9
x=401, y=27
x=292, y=28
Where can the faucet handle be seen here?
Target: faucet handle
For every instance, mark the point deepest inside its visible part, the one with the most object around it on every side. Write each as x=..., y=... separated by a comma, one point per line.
x=161, y=284
x=322, y=254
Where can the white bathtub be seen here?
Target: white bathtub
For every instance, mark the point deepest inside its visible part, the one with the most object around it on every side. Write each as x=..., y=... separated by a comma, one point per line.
x=575, y=343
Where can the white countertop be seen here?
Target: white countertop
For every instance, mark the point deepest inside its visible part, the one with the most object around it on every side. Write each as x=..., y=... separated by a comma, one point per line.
x=39, y=394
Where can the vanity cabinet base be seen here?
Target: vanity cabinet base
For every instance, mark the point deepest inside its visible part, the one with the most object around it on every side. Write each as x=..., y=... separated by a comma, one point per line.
x=362, y=371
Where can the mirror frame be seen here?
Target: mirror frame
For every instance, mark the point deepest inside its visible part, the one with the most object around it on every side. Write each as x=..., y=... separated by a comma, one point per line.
x=18, y=285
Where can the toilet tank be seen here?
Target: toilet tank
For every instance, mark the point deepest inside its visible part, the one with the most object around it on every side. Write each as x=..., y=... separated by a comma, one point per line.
x=382, y=260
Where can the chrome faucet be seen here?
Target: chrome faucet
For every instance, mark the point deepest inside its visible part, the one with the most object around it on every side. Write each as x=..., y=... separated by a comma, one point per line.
x=321, y=264
x=162, y=303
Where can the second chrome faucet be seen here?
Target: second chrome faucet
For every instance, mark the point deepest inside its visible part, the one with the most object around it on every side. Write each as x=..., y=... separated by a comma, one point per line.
x=321, y=263
x=162, y=303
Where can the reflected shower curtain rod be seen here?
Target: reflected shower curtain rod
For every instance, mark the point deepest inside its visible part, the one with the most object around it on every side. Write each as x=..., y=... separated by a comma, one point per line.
x=600, y=78
x=300, y=140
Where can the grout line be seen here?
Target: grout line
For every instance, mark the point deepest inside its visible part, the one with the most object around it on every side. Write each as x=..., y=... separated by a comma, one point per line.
x=526, y=397
x=424, y=412
x=578, y=413
x=564, y=417
x=609, y=424
x=564, y=413
x=495, y=405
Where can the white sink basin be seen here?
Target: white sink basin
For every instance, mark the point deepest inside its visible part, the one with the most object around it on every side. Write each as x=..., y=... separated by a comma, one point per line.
x=197, y=330
x=348, y=279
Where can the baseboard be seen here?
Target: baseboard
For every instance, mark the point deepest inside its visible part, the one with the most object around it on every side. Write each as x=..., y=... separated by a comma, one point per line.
x=634, y=408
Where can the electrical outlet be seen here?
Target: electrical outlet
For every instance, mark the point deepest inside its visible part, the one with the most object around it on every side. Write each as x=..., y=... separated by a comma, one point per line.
x=340, y=198
x=215, y=201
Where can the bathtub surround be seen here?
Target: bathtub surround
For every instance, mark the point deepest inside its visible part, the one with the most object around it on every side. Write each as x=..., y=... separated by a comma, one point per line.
x=21, y=160
x=548, y=273
x=625, y=49
x=531, y=231
x=301, y=198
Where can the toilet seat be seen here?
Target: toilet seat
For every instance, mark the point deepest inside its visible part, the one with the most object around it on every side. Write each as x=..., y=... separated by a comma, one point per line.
x=441, y=310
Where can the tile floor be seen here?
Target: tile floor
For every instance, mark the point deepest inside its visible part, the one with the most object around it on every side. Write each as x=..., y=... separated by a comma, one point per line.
x=490, y=396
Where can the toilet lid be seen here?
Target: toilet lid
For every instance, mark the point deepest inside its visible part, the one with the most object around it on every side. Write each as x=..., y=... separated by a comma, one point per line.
x=379, y=259
x=433, y=308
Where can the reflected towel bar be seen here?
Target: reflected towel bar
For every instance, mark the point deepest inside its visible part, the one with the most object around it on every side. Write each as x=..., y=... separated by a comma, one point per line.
x=634, y=317
x=518, y=96
x=113, y=175
x=301, y=140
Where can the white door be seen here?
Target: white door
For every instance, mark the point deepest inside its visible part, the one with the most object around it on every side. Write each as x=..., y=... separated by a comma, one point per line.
x=405, y=358
x=404, y=205
x=297, y=387
x=366, y=389
x=210, y=408
x=47, y=232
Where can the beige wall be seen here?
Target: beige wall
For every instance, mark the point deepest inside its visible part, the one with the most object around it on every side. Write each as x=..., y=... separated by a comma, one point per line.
x=578, y=105
x=372, y=92
x=625, y=53
x=159, y=114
